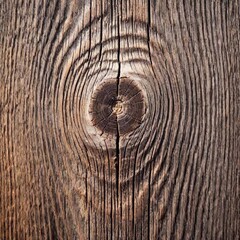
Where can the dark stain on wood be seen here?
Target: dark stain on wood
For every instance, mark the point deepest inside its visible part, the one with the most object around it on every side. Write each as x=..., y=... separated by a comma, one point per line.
x=119, y=119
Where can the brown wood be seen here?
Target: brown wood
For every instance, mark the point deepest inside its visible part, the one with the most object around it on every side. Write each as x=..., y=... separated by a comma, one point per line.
x=119, y=119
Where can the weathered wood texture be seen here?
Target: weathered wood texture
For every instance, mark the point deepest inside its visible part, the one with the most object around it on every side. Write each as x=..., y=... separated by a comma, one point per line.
x=119, y=119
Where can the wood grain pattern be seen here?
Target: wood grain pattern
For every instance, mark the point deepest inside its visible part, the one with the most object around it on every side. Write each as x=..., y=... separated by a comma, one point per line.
x=158, y=161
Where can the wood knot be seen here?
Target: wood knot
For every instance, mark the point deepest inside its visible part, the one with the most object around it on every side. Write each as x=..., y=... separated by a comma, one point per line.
x=117, y=106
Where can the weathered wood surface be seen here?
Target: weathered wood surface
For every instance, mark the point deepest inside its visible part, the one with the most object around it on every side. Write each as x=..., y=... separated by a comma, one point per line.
x=119, y=119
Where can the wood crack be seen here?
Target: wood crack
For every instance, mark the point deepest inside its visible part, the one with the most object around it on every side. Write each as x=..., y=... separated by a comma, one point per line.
x=118, y=132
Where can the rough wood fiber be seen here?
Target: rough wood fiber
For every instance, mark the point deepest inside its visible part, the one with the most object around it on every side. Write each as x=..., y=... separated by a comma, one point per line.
x=119, y=119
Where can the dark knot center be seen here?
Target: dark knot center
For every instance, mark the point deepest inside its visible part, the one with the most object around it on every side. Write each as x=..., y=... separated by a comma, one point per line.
x=117, y=106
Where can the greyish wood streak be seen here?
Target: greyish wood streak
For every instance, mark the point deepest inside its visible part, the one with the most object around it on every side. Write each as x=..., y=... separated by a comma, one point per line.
x=174, y=175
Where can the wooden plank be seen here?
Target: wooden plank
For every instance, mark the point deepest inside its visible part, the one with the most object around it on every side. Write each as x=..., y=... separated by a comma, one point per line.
x=119, y=119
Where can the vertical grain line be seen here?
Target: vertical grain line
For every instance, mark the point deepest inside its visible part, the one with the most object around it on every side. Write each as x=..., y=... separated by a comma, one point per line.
x=149, y=200
x=101, y=32
x=148, y=29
